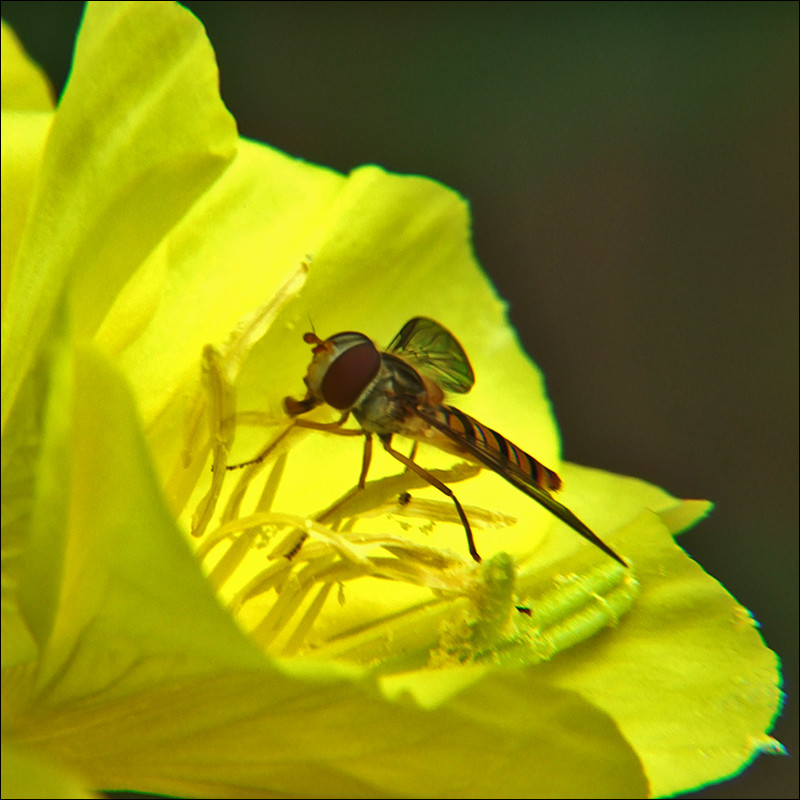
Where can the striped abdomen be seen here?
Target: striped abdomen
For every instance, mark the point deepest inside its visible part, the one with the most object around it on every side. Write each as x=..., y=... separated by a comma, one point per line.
x=489, y=447
x=466, y=435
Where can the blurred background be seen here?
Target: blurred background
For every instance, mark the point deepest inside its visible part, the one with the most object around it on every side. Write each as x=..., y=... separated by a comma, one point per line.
x=633, y=175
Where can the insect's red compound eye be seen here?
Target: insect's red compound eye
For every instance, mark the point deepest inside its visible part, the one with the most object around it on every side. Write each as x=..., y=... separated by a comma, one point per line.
x=349, y=374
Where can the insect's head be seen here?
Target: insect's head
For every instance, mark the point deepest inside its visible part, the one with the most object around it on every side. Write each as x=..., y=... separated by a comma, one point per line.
x=342, y=368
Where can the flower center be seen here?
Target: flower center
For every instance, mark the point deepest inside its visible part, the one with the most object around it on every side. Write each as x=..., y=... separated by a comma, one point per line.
x=330, y=586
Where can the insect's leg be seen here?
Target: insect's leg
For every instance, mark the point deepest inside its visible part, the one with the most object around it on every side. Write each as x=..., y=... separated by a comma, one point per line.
x=329, y=427
x=267, y=450
x=362, y=481
x=405, y=497
x=442, y=487
x=362, y=478
x=325, y=427
x=365, y=462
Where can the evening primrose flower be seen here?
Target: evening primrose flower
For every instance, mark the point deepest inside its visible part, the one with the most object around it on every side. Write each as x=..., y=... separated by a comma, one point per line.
x=171, y=626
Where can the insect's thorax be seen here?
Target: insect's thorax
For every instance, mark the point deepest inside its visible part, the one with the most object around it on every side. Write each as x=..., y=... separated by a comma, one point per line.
x=383, y=408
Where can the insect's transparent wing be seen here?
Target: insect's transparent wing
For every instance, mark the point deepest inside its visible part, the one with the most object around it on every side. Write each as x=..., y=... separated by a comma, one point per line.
x=435, y=353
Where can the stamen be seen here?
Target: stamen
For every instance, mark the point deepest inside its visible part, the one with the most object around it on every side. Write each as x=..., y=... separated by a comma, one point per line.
x=241, y=546
x=297, y=639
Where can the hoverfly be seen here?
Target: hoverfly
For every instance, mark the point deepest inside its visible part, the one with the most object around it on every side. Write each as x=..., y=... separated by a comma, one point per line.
x=401, y=391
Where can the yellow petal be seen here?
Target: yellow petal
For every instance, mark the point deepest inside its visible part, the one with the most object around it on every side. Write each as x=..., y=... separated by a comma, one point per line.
x=105, y=561
x=27, y=106
x=23, y=86
x=143, y=681
x=27, y=775
x=130, y=150
x=686, y=658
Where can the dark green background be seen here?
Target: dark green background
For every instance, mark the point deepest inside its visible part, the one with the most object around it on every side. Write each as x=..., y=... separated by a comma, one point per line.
x=633, y=175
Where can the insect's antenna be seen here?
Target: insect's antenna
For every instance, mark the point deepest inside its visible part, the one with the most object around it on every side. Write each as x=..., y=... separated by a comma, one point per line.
x=311, y=323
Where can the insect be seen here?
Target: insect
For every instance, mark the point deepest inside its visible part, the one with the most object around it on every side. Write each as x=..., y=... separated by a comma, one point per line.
x=401, y=391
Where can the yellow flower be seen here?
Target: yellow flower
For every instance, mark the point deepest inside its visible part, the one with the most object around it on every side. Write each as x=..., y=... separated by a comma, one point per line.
x=143, y=244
